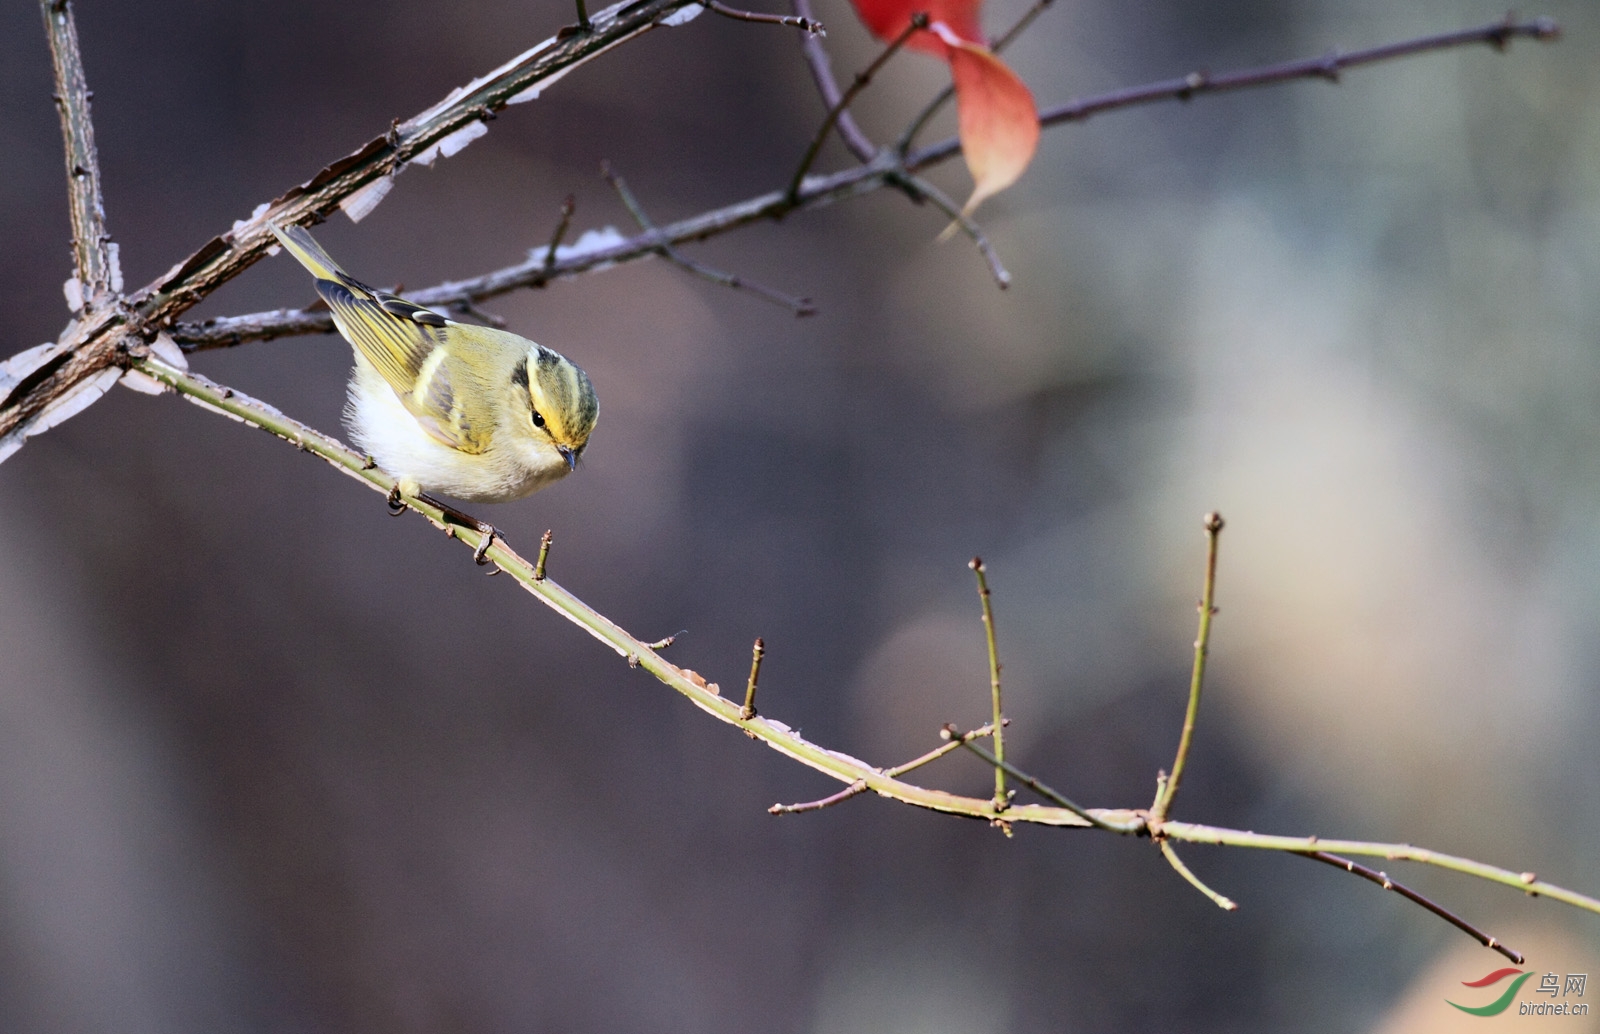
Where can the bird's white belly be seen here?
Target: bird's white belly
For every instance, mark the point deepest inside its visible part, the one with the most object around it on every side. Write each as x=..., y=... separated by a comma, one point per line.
x=384, y=429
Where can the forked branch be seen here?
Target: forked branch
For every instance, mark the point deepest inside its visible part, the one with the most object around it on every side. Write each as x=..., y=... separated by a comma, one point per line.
x=878, y=170
x=857, y=775
x=114, y=335
x=355, y=182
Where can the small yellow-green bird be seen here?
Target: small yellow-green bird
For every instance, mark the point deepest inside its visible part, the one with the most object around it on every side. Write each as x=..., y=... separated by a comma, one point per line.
x=472, y=412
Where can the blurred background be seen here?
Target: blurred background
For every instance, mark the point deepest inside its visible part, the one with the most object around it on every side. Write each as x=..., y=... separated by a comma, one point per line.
x=271, y=761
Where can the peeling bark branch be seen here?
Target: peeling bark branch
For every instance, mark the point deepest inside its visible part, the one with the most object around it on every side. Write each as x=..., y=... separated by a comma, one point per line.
x=105, y=342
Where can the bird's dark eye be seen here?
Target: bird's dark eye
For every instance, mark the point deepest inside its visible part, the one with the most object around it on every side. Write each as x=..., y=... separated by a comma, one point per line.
x=538, y=421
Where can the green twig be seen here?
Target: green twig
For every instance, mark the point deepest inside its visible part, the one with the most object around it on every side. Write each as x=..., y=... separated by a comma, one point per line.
x=953, y=741
x=779, y=736
x=1111, y=822
x=704, y=695
x=1526, y=882
x=544, y=554
x=758, y=651
x=1202, y=646
x=1226, y=904
x=998, y=721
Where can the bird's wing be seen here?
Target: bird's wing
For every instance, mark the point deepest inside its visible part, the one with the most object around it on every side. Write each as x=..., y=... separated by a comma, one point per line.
x=419, y=352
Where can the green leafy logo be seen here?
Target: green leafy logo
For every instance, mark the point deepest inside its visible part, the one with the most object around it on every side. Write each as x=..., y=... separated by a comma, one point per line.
x=1501, y=1004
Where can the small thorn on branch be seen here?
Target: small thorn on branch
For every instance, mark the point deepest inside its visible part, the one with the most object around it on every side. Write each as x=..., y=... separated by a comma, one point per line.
x=748, y=711
x=662, y=644
x=544, y=554
x=809, y=26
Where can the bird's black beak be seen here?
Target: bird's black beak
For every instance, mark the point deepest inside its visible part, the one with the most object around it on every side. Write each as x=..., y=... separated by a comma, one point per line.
x=570, y=455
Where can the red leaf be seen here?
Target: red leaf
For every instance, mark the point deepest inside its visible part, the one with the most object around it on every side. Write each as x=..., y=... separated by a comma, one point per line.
x=887, y=19
x=995, y=112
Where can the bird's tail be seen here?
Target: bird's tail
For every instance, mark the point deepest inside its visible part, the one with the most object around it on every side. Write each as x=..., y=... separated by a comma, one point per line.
x=308, y=252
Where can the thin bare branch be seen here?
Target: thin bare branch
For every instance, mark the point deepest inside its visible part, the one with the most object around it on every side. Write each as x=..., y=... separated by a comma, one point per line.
x=953, y=741
x=467, y=307
x=919, y=21
x=855, y=789
x=95, y=262
x=1383, y=880
x=810, y=26
x=1328, y=68
x=228, y=331
x=798, y=306
x=1125, y=823
x=919, y=189
x=1224, y=903
x=817, y=60
x=1001, y=800
x=568, y=206
x=1202, y=648
x=1527, y=882
x=880, y=170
